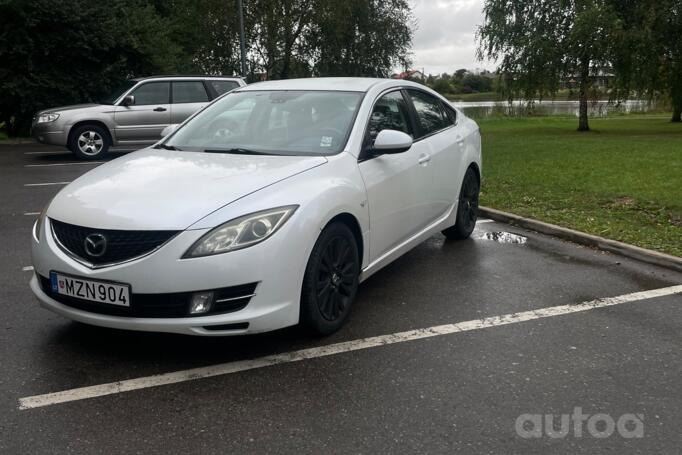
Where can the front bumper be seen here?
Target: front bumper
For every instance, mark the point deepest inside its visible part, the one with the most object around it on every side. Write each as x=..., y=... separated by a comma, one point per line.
x=50, y=133
x=275, y=305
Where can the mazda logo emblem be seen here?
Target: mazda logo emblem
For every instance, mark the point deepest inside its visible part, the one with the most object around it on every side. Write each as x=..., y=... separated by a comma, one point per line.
x=95, y=245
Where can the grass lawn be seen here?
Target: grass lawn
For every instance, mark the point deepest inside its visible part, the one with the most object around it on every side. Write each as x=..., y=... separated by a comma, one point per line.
x=623, y=180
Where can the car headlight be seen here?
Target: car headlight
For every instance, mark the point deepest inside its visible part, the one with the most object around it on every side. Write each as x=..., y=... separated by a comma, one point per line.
x=241, y=232
x=38, y=226
x=44, y=118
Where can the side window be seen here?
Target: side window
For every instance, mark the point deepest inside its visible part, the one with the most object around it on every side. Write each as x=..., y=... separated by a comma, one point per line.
x=152, y=93
x=430, y=115
x=451, y=114
x=189, y=92
x=223, y=86
x=390, y=112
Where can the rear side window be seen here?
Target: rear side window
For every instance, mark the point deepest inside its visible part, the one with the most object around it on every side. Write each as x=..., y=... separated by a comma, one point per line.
x=152, y=93
x=223, y=86
x=189, y=92
x=450, y=113
x=430, y=115
x=390, y=112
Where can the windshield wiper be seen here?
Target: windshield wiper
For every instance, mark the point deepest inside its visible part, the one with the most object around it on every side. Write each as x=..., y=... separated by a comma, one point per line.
x=239, y=151
x=167, y=147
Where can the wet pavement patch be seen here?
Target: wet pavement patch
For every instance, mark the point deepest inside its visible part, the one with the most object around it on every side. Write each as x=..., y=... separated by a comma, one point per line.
x=502, y=237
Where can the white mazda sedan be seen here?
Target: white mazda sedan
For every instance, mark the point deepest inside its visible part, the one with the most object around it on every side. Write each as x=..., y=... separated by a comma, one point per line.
x=263, y=210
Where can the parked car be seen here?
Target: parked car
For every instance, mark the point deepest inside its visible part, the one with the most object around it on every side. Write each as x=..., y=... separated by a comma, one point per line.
x=266, y=209
x=134, y=115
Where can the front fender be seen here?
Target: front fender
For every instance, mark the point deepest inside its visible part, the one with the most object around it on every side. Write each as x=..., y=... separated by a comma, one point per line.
x=321, y=193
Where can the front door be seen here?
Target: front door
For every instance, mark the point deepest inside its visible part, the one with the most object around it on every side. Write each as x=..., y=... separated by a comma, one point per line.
x=398, y=185
x=143, y=121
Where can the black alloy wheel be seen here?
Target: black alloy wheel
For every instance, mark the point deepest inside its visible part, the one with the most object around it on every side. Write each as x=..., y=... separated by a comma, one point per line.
x=467, y=209
x=331, y=280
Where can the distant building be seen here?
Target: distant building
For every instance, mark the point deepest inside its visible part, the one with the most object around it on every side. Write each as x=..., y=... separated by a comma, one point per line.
x=410, y=74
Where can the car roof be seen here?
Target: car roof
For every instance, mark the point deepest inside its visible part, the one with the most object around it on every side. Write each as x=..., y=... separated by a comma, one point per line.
x=185, y=76
x=352, y=84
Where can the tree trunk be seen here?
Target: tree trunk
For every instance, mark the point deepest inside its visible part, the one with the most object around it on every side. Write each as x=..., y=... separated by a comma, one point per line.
x=677, y=113
x=583, y=124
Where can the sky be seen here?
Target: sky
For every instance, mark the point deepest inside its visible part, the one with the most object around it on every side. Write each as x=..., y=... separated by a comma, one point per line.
x=445, y=38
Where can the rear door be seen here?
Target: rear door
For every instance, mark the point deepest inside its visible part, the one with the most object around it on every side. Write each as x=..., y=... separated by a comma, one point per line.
x=143, y=121
x=187, y=98
x=439, y=137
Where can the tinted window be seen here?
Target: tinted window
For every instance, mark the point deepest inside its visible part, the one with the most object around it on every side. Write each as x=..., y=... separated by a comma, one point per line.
x=189, y=92
x=430, y=115
x=223, y=86
x=152, y=93
x=390, y=113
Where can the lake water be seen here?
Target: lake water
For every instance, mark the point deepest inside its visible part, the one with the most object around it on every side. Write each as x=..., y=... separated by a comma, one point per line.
x=482, y=109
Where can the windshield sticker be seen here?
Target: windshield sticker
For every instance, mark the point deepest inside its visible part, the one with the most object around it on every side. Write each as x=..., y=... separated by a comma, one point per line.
x=326, y=141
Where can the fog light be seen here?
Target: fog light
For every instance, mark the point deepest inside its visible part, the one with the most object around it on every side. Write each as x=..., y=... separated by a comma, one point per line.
x=201, y=302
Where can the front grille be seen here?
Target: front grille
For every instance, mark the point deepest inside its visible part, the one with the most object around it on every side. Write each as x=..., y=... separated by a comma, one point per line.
x=120, y=245
x=172, y=305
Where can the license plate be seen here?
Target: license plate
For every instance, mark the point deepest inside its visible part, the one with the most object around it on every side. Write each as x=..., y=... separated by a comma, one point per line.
x=91, y=290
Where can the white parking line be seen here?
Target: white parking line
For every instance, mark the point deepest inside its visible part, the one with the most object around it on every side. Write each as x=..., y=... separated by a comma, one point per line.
x=47, y=153
x=64, y=164
x=484, y=221
x=46, y=184
x=28, y=268
x=31, y=213
x=100, y=390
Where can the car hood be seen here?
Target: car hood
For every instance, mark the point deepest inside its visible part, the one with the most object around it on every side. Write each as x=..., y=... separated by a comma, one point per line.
x=168, y=190
x=69, y=108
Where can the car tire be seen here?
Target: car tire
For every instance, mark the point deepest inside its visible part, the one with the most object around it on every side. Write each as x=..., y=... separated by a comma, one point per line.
x=467, y=208
x=331, y=280
x=89, y=142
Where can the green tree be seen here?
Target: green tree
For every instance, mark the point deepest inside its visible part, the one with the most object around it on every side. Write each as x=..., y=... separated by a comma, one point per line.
x=360, y=37
x=667, y=33
x=442, y=85
x=477, y=83
x=55, y=55
x=207, y=32
x=541, y=42
x=279, y=29
x=649, y=61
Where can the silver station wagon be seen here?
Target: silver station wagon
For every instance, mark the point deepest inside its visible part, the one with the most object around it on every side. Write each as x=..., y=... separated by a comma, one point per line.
x=134, y=115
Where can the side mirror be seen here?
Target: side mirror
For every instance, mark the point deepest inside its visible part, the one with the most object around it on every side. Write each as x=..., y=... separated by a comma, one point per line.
x=128, y=100
x=169, y=129
x=391, y=141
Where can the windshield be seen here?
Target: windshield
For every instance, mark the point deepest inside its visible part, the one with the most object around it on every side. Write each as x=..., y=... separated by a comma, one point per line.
x=272, y=122
x=120, y=90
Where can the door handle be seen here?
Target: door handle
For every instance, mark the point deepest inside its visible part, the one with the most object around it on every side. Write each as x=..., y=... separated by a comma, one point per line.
x=160, y=109
x=424, y=159
x=459, y=139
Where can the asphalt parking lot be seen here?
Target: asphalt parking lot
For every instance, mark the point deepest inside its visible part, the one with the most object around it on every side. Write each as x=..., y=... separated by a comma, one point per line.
x=445, y=349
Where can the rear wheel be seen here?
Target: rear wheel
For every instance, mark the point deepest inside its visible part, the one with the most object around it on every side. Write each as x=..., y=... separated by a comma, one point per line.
x=331, y=280
x=89, y=142
x=467, y=209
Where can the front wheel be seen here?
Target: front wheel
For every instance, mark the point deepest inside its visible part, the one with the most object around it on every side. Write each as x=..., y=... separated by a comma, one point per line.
x=331, y=280
x=89, y=142
x=467, y=209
